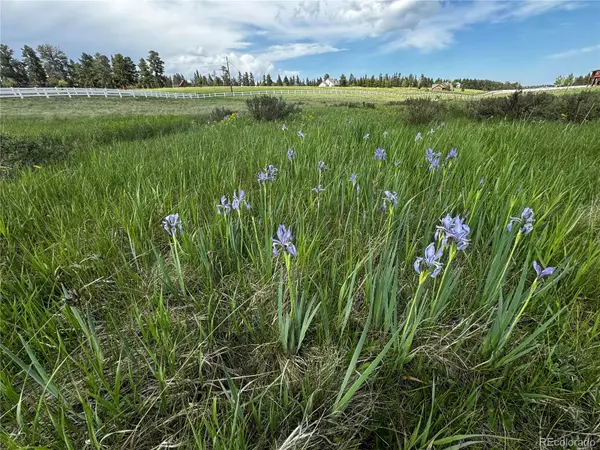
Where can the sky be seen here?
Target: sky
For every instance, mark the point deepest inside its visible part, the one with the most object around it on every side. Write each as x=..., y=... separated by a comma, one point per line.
x=529, y=41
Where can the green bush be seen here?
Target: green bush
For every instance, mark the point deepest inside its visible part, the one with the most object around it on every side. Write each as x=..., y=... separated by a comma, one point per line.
x=539, y=106
x=423, y=110
x=21, y=151
x=356, y=105
x=219, y=114
x=270, y=108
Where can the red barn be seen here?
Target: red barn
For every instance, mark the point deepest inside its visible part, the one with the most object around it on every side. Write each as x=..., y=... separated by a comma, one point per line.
x=595, y=78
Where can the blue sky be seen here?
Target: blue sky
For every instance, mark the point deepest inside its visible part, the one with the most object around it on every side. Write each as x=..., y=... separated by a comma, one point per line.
x=531, y=41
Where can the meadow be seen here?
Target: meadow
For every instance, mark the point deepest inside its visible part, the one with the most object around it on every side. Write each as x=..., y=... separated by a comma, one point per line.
x=433, y=287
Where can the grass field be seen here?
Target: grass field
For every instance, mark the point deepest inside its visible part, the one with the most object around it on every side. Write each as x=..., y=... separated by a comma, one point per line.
x=279, y=88
x=117, y=334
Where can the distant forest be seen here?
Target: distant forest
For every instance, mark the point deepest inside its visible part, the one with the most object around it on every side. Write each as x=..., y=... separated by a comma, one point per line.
x=48, y=65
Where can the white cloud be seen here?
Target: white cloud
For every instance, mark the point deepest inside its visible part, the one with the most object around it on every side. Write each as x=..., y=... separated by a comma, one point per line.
x=255, y=35
x=575, y=52
x=291, y=51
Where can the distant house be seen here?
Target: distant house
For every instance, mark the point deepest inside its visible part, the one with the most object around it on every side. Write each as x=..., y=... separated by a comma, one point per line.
x=329, y=82
x=595, y=78
x=184, y=83
x=441, y=87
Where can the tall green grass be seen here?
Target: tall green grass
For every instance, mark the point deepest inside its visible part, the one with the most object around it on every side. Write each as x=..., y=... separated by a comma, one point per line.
x=117, y=335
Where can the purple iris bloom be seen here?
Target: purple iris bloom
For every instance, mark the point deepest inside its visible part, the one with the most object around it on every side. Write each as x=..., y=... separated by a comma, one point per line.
x=389, y=197
x=290, y=154
x=527, y=215
x=385, y=134
x=380, y=154
x=283, y=242
x=172, y=224
x=321, y=166
x=482, y=180
x=283, y=127
x=366, y=137
x=418, y=137
x=542, y=273
x=269, y=173
x=435, y=164
x=300, y=134
x=526, y=219
x=239, y=201
x=318, y=189
x=453, y=229
x=224, y=207
x=353, y=181
x=527, y=228
x=429, y=260
x=452, y=154
x=430, y=155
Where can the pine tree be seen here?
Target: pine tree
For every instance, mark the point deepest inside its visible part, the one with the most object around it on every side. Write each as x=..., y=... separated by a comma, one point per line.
x=55, y=63
x=146, y=80
x=269, y=80
x=102, y=71
x=157, y=69
x=12, y=71
x=84, y=72
x=118, y=70
x=251, y=78
x=343, y=81
x=33, y=65
x=130, y=72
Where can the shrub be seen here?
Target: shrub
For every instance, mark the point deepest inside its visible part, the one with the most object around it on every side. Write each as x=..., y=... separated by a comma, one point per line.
x=539, y=106
x=270, y=108
x=356, y=105
x=219, y=114
x=423, y=110
x=21, y=151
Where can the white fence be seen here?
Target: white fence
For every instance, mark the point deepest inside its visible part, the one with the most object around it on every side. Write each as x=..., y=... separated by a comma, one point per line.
x=138, y=93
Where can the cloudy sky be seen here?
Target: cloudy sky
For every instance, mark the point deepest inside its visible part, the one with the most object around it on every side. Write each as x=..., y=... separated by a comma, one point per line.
x=530, y=41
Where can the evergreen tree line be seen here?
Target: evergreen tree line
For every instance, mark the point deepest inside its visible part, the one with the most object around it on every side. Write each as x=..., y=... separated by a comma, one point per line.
x=571, y=80
x=48, y=65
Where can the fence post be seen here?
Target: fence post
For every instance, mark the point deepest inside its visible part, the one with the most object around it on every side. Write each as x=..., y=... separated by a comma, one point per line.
x=69, y=93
